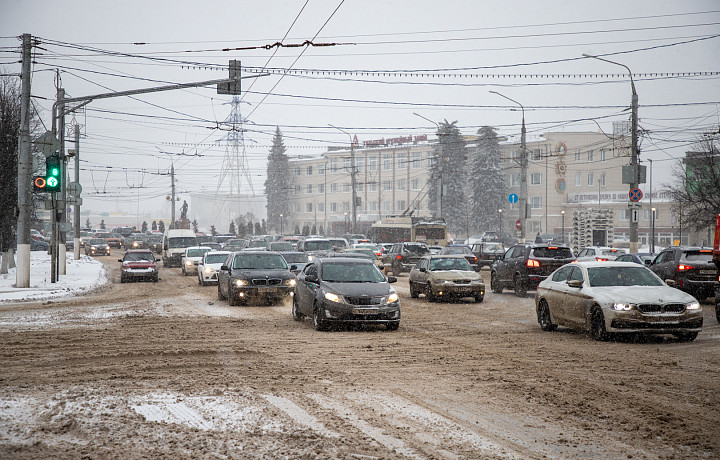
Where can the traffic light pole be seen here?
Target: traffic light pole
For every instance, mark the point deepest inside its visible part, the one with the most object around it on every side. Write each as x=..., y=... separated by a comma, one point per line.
x=22, y=273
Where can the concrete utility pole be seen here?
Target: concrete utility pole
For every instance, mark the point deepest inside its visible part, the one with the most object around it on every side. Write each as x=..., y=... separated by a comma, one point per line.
x=634, y=153
x=523, y=199
x=76, y=220
x=172, y=195
x=442, y=164
x=22, y=273
x=59, y=208
x=352, y=179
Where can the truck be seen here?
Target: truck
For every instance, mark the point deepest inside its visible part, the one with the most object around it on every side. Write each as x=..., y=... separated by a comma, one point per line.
x=174, y=243
x=398, y=229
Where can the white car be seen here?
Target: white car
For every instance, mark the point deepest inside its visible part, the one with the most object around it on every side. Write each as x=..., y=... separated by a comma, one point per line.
x=192, y=255
x=209, y=266
x=615, y=297
x=599, y=254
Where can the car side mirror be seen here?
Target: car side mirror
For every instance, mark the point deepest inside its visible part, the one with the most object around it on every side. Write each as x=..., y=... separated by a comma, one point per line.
x=575, y=283
x=157, y=260
x=391, y=279
x=293, y=268
x=423, y=269
x=196, y=262
x=224, y=267
x=670, y=283
x=120, y=260
x=311, y=278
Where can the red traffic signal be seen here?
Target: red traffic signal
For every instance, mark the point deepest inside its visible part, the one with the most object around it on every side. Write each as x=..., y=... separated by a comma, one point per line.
x=39, y=184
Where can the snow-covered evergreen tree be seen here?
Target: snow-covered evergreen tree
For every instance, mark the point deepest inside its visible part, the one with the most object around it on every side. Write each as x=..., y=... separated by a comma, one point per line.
x=277, y=184
x=449, y=169
x=488, y=191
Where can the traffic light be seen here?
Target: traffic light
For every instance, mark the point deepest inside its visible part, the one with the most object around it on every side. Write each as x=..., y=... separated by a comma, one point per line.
x=53, y=174
x=39, y=184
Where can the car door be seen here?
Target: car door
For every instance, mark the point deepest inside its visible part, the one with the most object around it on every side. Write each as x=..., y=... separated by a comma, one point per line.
x=502, y=266
x=664, y=265
x=417, y=275
x=555, y=293
x=224, y=275
x=573, y=310
x=305, y=289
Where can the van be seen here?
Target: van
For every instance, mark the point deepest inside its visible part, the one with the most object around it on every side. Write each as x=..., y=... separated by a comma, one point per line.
x=174, y=243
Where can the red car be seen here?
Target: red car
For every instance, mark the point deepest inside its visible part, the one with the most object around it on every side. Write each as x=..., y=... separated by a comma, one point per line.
x=139, y=264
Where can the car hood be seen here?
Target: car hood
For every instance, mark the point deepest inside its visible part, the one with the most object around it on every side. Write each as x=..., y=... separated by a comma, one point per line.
x=455, y=275
x=357, y=289
x=240, y=273
x=640, y=294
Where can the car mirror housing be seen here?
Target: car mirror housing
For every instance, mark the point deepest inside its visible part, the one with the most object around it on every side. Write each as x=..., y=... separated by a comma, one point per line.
x=120, y=260
x=224, y=267
x=311, y=279
x=391, y=279
x=670, y=283
x=423, y=269
x=575, y=283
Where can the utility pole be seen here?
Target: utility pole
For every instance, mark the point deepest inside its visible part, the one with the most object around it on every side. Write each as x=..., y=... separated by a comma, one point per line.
x=523, y=199
x=442, y=163
x=352, y=179
x=76, y=220
x=172, y=196
x=60, y=208
x=22, y=273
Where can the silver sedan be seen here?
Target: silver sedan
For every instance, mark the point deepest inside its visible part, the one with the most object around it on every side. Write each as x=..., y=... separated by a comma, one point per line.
x=610, y=297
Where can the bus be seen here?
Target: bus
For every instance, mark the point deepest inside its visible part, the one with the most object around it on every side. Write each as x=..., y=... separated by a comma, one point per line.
x=421, y=229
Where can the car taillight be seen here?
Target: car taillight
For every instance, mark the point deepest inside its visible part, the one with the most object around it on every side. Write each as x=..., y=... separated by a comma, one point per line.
x=683, y=267
x=475, y=259
x=533, y=263
x=398, y=257
x=600, y=259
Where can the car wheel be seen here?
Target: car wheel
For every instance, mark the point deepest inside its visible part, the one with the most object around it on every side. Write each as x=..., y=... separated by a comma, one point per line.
x=156, y=278
x=392, y=326
x=717, y=312
x=479, y=298
x=297, y=316
x=201, y=282
x=413, y=291
x=318, y=319
x=543, y=315
x=122, y=279
x=520, y=286
x=597, y=325
x=232, y=298
x=686, y=336
x=495, y=284
x=220, y=294
x=429, y=293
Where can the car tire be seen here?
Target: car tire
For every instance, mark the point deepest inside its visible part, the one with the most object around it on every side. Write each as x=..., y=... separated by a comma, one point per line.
x=686, y=336
x=479, y=298
x=495, y=284
x=392, y=326
x=232, y=298
x=220, y=294
x=296, y=315
x=429, y=293
x=201, y=282
x=413, y=291
x=122, y=279
x=597, y=325
x=318, y=321
x=156, y=278
x=717, y=312
x=520, y=286
x=543, y=316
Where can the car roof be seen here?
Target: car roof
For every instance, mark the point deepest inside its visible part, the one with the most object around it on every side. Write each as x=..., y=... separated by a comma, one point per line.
x=224, y=253
x=138, y=250
x=445, y=256
x=590, y=264
x=338, y=259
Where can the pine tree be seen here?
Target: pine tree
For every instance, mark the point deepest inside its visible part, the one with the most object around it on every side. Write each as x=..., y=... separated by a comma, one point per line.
x=154, y=226
x=488, y=190
x=144, y=226
x=277, y=184
x=448, y=171
x=195, y=225
x=231, y=230
x=213, y=231
x=161, y=226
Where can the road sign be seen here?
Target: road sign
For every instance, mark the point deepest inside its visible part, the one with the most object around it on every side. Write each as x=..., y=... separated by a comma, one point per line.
x=74, y=201
x=518, y=224
x=635, y=215
x=74, y=188
x=635, y=194
x=513, y=198
x=47, y=144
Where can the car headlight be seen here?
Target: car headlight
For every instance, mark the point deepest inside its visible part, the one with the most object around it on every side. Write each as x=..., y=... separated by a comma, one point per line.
x=188, y=262
x=393, y=298
x=240, y=283
x=623, y=306
x=477, y=281
x=311, y=258
x=209, y=270
x=333, y=297
x=444, y=282
x=692, y=306
x=291, y=282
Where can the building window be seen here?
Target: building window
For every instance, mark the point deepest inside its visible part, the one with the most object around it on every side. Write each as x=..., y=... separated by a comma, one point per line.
x=536, y=202
x=515, y=180
x=333, y=207
x=359, y=164
x=603, y=155
x=346, y=205
x=387, y=162
x=346, y=164
x=373, y=206
x=333, y=165
x=536, y=179
x=515, y=155
x=321, y=188
x=625, y=214
x=297, y=207
x=591, y=156
x=372, y=163
x=298, y=171
x=387, y=206
x=590, y=179
x=359, y=187
x=308, y=207
x=402, y=184
x=297, y=190
x=401, y=161
x=321, y=169
x=416, y=160
x=578, y=155
x=346, y=187
x=333, y=187
x=308, y=188
x=372, y=187
x=535, y=155
x=308, y=170
x=601, y=179
x=387, y=185
x=415, y=184
x=578, y=179
x=321, y=207
x=401, y=205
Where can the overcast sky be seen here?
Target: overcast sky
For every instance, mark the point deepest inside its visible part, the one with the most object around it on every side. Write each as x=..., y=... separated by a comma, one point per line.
x=441, y=60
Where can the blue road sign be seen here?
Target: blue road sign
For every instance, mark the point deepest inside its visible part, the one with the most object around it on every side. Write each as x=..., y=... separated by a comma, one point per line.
x=635, y=194
x=513, y=198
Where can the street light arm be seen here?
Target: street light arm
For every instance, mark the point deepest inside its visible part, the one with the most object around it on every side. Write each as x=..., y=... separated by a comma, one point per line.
x=513, y=100
x=632, y=82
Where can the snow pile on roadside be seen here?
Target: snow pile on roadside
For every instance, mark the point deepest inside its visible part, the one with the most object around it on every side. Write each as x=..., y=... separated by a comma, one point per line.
x=83, y=275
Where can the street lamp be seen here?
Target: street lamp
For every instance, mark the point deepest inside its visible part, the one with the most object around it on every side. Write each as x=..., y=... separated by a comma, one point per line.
x=346, y=223
x=442, y=162
x=501, y=220
x=352, y=181
x=652, y=236
x=281, y=224
x=634, y=151
x=562, y=213
x=523, y=170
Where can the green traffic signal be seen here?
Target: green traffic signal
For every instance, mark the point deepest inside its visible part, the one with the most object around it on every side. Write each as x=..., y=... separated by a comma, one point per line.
x=53, y=177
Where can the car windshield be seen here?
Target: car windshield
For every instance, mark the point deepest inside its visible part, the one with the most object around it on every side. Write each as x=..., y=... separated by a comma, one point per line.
x=622, y=276
x=296, y=258
x=416, y=248
x=347, y=272
x=281, y=246
x=493, y=247
x=197, y=252
x=155, y=239
x=365, y=252
x=702, y=256
x=104, y=235
x=215, y=258
x=182, y=241
x=318, y=246
x=258, y=244
x=204, y=239
x=139, y=257
x=449, y=263
x=94, y=241
x=551, y=252
x=457, y=250
x=259, y=262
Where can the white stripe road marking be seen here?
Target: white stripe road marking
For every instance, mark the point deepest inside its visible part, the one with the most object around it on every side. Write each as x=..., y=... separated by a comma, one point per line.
x=298, y=414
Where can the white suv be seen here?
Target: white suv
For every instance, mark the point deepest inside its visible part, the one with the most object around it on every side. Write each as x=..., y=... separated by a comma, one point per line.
x=599, y=254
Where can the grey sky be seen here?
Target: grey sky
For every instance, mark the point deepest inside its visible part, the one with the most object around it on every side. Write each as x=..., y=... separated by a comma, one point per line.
x=445, y=39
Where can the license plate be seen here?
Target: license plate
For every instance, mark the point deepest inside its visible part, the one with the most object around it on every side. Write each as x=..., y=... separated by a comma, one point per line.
x=365, y=311
x=708, y=272
x=265, y=290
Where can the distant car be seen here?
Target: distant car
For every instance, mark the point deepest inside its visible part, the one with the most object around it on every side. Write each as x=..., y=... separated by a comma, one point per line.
x=315, y=247
x=690, y=269
x=345, y=290
x=402, y=257
x=257, y=243
x=445, y=276
x=599, y=254
x=110, y=238
x=154, y=243
x=615, y=297
x=234, y=244
x=524, y=266
x=339, y=244
x=642, y=258
x=138, y=264
x=209, y=266
x=295, y=259
x=136, y=241
x=96, y=247
x=488, y=252
x=202, y=239
x=191, y=257
x=255, y=276
x=434, y=249
x=369, y=253
x=280, y=246
x=464, y=250
x=38, y=245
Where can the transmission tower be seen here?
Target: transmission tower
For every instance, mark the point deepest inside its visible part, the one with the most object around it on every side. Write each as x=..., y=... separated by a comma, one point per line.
x=235, y=164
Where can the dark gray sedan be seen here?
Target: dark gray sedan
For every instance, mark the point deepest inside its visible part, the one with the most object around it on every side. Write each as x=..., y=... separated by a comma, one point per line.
x=261, y=276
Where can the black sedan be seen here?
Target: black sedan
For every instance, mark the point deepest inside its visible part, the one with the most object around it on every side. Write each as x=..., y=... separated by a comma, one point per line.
x=345, y=290
x=97, y=247
x=255, y=275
